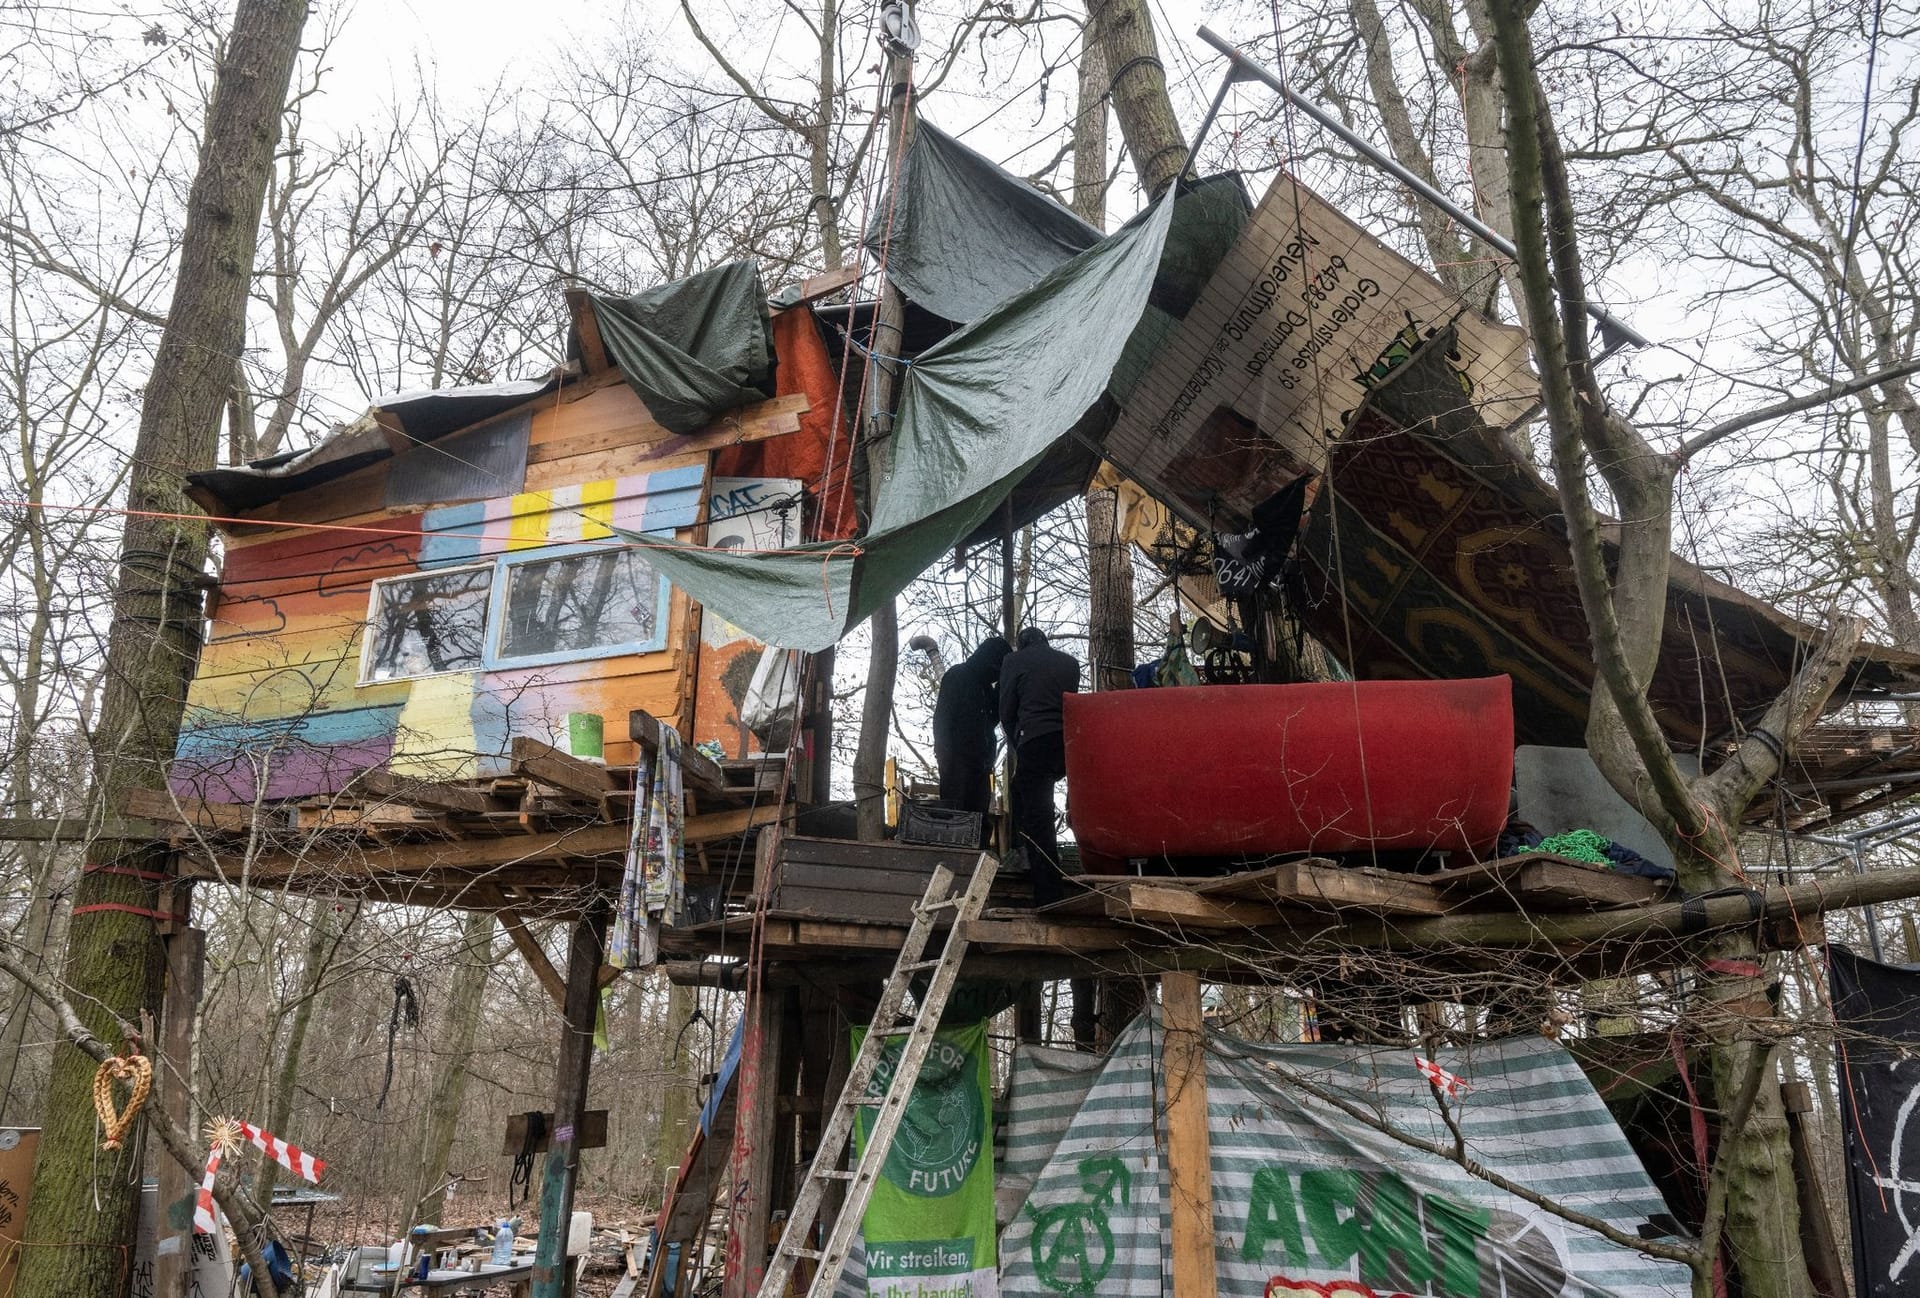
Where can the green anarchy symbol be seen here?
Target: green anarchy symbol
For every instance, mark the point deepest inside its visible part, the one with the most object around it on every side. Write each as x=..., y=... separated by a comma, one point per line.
x=1073, y=1242
x=1061, y=1256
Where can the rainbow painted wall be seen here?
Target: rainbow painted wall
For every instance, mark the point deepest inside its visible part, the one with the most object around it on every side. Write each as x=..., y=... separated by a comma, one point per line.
x=278, y=708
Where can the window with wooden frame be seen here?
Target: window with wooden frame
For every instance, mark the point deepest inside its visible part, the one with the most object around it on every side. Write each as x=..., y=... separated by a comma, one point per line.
x=534, y=608
x=426, y=624
x=586, y=602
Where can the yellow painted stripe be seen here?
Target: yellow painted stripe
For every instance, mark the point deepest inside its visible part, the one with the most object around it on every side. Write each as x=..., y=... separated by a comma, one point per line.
x=527, y=528
x=596, y=503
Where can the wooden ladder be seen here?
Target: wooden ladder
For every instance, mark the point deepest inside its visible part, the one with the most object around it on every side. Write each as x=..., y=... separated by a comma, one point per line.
x=888, y=1021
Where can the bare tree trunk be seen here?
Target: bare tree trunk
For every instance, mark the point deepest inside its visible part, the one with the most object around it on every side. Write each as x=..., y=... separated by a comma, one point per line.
x=681, y=1067
x=1124, y=31
x=83, y=1216
x=323, y=940
x=466, y=1000
x=876, y=713
x=1447, y=254
x=1752, y=1193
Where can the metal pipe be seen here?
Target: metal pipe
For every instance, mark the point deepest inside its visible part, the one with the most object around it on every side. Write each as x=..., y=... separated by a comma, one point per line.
x=1611, y=327
x=1206, y=123
x=1873, y=913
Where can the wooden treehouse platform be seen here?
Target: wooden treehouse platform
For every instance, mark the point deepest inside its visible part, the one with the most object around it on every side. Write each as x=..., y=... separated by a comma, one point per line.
x=550, y=835
x=835, y=912
x=543, y=837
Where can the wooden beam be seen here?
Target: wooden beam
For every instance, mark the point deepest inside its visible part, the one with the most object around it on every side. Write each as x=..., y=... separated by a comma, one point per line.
x=1189, y=1146
x=1322, y=885
x=467, y=853
x=752, y=1157
x=700, y=771
x=592, y=1133
x=159, y=805
x=815, y=287
x=586, y=325
x=727, y=824
x=1826, y=1266
x=382, y=783
x=1547, y=882
x=552, y=1273
x=536, y=957
x=543, y=762
x=186, y=953
x=482, y=854
x=1173, y=903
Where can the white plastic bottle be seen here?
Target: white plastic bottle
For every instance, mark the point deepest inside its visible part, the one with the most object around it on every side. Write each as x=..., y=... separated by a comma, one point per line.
x=503, y=1244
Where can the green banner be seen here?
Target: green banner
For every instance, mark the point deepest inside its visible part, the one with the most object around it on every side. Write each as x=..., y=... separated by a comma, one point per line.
x=929, y=1226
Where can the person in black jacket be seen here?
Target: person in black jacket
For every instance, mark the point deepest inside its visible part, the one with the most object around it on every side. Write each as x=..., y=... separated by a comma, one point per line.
x=963, y=717
x=1033, y=681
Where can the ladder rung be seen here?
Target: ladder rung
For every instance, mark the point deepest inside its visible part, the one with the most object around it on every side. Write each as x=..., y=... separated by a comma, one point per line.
x=811, y=1254
x=873, y=1101
x=945, y=903
x=917, y=965
x=835, y=1174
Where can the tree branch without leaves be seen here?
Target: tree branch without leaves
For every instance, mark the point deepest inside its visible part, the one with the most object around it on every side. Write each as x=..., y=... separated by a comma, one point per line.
x=179, y=1142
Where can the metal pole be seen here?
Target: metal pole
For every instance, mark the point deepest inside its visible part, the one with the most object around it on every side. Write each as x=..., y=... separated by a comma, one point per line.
x=1873, y=913
x=1206, y=123
x=1611, y=327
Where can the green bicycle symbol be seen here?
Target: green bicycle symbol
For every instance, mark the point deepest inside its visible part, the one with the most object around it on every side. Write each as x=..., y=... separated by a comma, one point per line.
x=1073, y=1242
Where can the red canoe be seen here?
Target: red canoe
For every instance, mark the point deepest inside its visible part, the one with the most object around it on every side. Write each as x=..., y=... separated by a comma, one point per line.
x=1251, y=770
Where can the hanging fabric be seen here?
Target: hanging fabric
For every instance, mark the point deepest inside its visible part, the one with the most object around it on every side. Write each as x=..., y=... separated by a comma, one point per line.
x=654, y=885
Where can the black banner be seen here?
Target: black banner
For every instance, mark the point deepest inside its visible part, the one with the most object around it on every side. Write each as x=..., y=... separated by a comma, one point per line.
x=1877, y=1007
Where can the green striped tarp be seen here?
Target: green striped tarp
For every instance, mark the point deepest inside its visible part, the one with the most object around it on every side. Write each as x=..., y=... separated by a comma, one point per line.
x=1312, y=1202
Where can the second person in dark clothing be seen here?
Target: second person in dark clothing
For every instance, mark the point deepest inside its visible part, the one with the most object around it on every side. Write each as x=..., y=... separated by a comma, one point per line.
x=963, y=717
x=1033, y=681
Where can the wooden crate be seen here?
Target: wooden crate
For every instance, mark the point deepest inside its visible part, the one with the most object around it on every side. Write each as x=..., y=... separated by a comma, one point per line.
x=871, y=883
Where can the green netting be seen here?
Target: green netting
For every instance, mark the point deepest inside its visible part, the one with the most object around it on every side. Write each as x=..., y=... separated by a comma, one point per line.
x=694, y=348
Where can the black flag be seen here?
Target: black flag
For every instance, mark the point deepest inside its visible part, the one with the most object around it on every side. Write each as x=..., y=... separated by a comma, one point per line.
x=1877, y=1007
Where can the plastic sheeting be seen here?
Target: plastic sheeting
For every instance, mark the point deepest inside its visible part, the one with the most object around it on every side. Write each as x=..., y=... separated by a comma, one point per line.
x=962, y=236
x=1310, y=1200
x=693, y=348
x=978, y=411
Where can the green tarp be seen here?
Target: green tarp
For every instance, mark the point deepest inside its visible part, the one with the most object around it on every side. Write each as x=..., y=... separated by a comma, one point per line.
x=694, y=348
x=978, y=410
x=961, y=236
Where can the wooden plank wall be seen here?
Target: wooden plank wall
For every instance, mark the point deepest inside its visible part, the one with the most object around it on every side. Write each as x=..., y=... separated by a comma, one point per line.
x=276, y=699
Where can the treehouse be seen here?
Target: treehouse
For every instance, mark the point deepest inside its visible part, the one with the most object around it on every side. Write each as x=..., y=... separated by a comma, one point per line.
x=423, y=623
x=463, y=570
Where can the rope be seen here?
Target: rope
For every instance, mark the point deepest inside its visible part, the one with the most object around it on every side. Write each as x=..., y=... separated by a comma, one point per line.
x=404, y=1005
x=1577, y=845
x=137, y=1072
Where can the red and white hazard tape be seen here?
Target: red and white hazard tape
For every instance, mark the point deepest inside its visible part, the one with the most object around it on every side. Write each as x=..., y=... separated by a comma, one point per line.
x=222, y=1132
x=1449, y=1084
x=292, y=1157
x=204, y=1218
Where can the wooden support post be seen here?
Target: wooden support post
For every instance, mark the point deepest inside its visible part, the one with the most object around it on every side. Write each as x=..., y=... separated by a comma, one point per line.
x=756, y=1084
x=1826, y=1266
x=1189, y=1147
x=787, y=1120
x=1029, y=1013
x=172, y=1056
x=552, y=1273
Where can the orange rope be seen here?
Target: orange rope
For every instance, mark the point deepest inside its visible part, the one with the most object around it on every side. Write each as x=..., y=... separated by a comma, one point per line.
x=276, y=524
